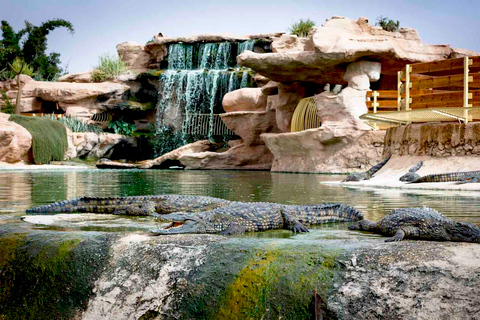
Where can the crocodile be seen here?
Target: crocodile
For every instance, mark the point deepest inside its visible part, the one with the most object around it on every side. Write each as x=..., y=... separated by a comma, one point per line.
x=459, y=177
x=411, y=175
x=420, y=223
x=359, y=176
x=200, y=214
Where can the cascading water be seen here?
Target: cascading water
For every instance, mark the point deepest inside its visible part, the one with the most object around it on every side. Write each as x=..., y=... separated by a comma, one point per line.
x=192, y=89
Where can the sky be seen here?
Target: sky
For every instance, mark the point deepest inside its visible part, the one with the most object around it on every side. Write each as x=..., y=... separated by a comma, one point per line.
x=102, y=24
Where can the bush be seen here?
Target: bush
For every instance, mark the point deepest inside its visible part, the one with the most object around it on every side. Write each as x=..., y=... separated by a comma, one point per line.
x=121, y=127
x=75, y=124
x=49, y=137
x=388, y=24
x=108, y=68
x=7, y=107
x=302, y=28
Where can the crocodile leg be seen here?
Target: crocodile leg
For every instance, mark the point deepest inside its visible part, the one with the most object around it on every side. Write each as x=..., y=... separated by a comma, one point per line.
x=292, y=223
x=397, y=237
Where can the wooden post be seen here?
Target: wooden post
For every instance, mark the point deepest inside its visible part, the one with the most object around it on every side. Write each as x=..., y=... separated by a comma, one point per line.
x=407, y=87
x=465, y=89
x=399, y=93
x=375, y=94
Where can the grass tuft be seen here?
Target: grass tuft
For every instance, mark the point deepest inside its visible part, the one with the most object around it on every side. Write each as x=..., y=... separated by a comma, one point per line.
x=108, y=68
x=302, y=28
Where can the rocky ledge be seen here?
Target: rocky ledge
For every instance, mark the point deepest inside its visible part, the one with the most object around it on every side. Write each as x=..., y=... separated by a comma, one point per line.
x=270, y=275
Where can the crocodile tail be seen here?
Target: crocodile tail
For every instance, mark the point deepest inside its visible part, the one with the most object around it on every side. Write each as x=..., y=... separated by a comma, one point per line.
x=445, y=177
x=324, y=213
x=83, y=204
x=377, y=167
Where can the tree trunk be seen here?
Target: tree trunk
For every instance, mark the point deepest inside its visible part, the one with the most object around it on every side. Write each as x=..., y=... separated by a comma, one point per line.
x=19, y=95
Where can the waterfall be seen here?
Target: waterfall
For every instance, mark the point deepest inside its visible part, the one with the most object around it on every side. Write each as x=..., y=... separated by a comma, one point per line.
x=192, y=88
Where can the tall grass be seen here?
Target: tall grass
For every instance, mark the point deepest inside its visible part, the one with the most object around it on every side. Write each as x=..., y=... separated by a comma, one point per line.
x=302, y=28
x=75, y=124
x=108, y=68
x=388, y=24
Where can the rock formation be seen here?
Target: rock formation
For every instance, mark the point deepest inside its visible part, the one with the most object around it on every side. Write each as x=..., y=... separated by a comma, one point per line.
x=15, y=141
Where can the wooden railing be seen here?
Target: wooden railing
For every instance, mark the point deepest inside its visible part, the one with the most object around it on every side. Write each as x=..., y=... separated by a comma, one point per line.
x=382, y=100
x=440, y=84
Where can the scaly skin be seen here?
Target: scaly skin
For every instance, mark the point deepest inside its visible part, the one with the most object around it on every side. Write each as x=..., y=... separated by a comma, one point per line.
x=359, y=176
x=460, y=177
x=420, y=223
x=198, y=214
x=411, y=175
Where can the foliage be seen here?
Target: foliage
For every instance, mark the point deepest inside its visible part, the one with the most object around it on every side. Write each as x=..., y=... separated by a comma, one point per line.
x=30, y=44
x=75, y=124
x=119, y=126
x=20, y=66
x=49, y=137
x=388, y=24
x=302, y=28
x=8, y=107
x=108, y=68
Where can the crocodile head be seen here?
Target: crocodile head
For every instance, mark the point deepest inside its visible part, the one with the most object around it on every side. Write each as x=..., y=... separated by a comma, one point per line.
x=184, y=223
x=365, y=225
x=463, y=231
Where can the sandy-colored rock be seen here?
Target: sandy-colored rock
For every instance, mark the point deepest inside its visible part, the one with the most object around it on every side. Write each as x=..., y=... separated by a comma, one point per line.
x=434, y=139
x=289, y=42
x=162, y=161
x=245, y=99
x=81, y=77
x=340, y=41
x=15, y=141
x=249, y=125
x=284, y=104
x=319, y=150
x=256, y=157
x=271, y=88
x=360, y=74
x=134, y=55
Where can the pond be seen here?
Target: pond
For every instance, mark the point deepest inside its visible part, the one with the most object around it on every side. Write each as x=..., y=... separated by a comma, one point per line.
x=21, y=189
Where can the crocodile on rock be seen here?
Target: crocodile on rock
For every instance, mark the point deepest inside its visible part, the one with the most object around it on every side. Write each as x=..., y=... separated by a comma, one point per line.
x=200, y=214
x=359, y=176
x=420, y=223
x=459, y=177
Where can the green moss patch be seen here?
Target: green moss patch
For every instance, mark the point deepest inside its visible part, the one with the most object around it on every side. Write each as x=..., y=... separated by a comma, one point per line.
x=275, y=282
x=48, y=275
x=49, y=137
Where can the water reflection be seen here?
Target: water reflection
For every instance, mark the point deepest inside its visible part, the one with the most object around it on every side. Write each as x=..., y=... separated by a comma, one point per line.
x=22, y=189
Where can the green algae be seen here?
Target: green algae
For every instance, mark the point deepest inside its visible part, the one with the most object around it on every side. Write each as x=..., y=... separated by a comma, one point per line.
x=47, y=275
x=271, y=282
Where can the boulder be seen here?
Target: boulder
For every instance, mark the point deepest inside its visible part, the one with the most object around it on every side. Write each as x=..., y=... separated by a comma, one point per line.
x=284, y=104
x=135, y=56
x=340, y=41
x=245, y=99
x=249, y=125
x=289, y=42
x=15, y=141
x=81, y=77
x=240, y=157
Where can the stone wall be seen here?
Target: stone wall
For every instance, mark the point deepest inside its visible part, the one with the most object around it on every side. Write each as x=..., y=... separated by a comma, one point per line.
x=434, y=139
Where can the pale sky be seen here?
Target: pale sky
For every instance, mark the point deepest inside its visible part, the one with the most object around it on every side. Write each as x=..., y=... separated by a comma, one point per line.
x=101, y=24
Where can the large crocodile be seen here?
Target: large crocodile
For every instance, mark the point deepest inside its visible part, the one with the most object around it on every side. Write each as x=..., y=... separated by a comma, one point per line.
x=359, y=176
x=199, y=214
x=459, y=177
x=420, y=223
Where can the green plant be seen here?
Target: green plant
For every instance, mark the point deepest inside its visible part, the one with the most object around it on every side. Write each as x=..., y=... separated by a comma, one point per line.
x=119, y=126
x=302, y=28
x=108, y=68
x=388, y=24
x=49, y=137
x=21, y=67
x=8, y=107
x=75, y=124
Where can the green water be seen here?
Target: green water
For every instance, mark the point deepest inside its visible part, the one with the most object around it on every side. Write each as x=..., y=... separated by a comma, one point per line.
x=20, y=190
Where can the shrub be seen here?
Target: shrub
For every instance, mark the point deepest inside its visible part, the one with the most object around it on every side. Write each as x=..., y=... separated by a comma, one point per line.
x=49, y=137
x=75, y=124
x=388, y=24
x=302, y=28
x=119, y=126
x=8, y=107
x=108, y=68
